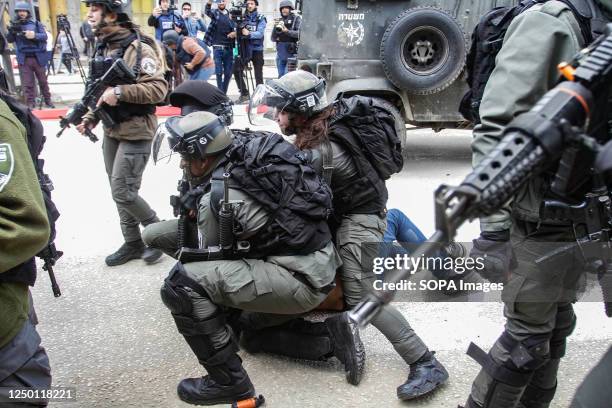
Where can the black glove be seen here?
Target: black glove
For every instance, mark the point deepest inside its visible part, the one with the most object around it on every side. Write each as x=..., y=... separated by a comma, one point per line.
x=190, y=200
x=496, y=250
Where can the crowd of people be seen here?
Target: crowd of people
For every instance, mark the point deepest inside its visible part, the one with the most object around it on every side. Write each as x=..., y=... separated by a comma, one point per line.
x=277, y=224
x=228, y=45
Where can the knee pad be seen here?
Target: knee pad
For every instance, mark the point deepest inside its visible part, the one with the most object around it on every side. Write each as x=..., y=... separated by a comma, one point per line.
x=176, y=298
x=524, y=358
x=176, y=288
x=564, y=326
x=528, y=354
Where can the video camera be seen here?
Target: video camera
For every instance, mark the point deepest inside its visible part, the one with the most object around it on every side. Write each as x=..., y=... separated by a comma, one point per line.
x=16, y=28
x=237, y=12
x=62, y=22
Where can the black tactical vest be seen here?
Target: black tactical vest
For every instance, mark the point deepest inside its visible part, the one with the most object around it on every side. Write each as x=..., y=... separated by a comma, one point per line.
x=99, y=64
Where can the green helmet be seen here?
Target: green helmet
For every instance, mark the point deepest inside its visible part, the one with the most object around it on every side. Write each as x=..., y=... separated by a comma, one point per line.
x=298, y=92
x=198, y=135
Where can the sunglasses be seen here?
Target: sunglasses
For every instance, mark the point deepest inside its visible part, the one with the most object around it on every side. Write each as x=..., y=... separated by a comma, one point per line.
x=186, y=9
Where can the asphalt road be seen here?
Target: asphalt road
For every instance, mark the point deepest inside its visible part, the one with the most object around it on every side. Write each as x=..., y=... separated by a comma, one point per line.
x=110, y=336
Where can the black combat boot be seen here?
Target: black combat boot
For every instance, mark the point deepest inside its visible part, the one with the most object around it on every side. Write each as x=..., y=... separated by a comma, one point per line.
x=426, y=374
x=127, y=252
x=226, y=382
x=347, y=346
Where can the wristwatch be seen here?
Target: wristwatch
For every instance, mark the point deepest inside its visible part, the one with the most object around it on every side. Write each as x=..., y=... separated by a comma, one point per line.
x=117, y=91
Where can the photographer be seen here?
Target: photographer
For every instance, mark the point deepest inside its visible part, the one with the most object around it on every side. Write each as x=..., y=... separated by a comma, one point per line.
x=193, y=24
x=251, y=44
x=286, y=34
x=221, y=36
x=164, y=18
x=30, y=39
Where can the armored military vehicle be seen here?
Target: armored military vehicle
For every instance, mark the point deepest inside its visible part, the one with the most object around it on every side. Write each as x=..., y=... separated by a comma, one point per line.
x=411, y=53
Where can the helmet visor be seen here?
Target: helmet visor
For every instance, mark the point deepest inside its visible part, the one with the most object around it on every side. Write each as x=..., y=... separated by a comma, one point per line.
x=264, y=105
x=164, y=143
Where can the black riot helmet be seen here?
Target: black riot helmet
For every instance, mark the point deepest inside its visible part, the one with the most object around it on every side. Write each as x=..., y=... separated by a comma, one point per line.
x=114, y=6
x=195, y=136
x=196, y=95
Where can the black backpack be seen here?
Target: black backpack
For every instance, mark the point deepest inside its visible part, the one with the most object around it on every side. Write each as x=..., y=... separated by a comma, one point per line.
x=488, y=37
x=373, y=129
x=36, y=141
x=279, y=177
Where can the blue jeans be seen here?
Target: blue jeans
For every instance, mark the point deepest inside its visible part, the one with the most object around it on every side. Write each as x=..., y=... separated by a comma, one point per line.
x=224, y=62
x=202, y=74
x=281, y=66
x=401, y=229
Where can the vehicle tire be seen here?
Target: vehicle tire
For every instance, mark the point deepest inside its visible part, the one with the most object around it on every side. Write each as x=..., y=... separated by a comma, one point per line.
x=400, y=124
x=423, y=50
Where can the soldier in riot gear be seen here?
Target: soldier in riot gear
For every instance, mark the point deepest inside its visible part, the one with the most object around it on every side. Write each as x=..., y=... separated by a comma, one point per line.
x=24, y=231
x=127, y=144
x=301, y=108
x=285, y=34
x=520, y=369
x=281, y=273
x=190, y=96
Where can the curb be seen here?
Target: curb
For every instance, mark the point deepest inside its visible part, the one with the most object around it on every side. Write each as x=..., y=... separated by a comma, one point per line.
x=54, y=114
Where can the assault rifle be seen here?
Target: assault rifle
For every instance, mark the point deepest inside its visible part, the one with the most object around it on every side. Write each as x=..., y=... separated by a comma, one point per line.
x=228, y=247
x=183, y=206
x=49, y=256
x=118, y=74
x=550, y=131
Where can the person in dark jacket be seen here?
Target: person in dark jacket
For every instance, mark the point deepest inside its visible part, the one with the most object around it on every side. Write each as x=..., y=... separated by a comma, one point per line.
x=221, y=36
x=88, y=37
x=286, y=34
x=30, y=39
x=251, y=31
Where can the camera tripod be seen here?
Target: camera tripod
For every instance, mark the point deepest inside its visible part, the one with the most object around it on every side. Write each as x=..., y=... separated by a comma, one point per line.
x=244, y=71
x=64, y=25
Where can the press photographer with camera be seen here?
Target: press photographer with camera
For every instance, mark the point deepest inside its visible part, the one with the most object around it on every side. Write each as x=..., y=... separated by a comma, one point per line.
x=30, y=39
x=251, y=29
x=286, y=34
x=164, y=18
x=193, y=23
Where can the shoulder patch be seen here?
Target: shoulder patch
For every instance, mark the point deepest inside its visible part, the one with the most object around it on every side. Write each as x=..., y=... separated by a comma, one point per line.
x=149, y=65
x=7, y=164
